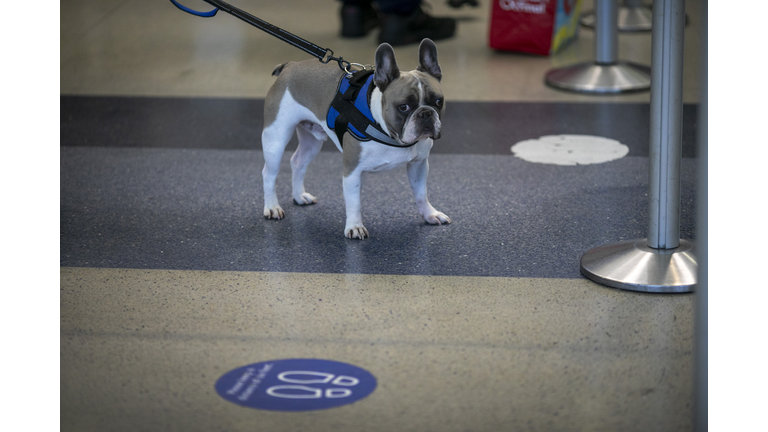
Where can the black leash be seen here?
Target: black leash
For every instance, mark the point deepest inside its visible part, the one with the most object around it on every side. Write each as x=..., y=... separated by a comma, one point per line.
x=349, y=114
x=325, y=55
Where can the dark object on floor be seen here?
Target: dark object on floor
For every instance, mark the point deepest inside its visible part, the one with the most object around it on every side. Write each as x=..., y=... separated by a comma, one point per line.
x=459, y=3
x=358, y=19
x=409, y=29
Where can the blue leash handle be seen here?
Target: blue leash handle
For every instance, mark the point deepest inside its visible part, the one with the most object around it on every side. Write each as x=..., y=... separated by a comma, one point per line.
x=194, y=12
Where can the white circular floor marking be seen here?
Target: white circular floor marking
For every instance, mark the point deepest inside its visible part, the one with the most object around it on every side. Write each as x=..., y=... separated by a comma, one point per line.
x=570, y=150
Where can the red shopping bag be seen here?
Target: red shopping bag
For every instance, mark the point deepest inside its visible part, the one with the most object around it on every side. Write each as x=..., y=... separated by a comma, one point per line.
x=533, y=26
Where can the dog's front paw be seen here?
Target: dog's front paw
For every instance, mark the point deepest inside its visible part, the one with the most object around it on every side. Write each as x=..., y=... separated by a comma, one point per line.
x=437, y=218
x=358, y=232
x=275, y=212
x=305, y=199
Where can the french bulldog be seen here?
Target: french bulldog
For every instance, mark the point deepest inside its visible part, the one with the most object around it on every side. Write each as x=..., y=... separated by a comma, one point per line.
x=406, y=106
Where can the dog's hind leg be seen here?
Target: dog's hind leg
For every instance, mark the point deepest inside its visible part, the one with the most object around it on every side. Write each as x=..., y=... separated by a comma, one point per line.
x=311, y=137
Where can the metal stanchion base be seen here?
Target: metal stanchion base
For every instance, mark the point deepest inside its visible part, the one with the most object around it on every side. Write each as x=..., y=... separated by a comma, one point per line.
x=632, y=265
x=619, y=77
x=631, y=19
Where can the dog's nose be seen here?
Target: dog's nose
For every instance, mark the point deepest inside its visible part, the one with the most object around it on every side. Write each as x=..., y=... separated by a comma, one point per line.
x=425, y=113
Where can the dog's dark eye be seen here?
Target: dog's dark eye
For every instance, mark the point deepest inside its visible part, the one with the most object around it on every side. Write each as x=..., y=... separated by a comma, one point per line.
x=404, y=108
x=439, y=103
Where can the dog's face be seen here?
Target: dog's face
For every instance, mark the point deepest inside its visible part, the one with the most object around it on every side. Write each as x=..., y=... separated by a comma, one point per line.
x=412, y=102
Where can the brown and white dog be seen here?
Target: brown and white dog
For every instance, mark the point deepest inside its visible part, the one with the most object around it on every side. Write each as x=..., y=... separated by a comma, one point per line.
x=407, y=106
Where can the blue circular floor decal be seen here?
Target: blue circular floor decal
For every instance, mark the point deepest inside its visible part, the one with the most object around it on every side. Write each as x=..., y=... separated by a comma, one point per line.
x=296, y=384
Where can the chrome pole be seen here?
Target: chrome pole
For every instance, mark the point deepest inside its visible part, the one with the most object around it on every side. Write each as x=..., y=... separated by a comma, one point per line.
x=701, y=332
x=661, y=263
x=607, y=74
x=666, y=138
x=634, y=16
x=607, y=33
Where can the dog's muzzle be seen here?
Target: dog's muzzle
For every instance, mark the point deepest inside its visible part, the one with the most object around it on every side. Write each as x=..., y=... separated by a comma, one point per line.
x=423, y=123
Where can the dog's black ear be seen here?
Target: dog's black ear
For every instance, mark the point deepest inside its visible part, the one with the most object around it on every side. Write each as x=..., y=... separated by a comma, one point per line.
x=386, y=66
x=428, y=59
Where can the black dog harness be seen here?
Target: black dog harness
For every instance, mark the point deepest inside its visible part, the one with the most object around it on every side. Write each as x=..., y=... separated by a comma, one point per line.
x=349, y=111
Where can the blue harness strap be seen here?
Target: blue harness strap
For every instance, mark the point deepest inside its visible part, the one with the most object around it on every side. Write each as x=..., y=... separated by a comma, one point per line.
x=349, y=111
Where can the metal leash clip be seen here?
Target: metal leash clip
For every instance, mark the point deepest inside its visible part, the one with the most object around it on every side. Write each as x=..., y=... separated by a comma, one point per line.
x=345, y=65
x=361, y=67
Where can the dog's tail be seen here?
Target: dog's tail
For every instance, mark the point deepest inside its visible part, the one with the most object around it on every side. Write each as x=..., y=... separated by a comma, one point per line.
x=278, y=69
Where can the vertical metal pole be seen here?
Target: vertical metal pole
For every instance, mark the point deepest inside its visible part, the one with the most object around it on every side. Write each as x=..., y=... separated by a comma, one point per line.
x=666, y=124
x=607, y=32
x=663, y=262
x=701, y=329
x=634, y=16
x=607, y=74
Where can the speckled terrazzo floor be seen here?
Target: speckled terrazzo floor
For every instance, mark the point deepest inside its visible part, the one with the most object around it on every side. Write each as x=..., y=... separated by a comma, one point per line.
x=170, y=277
x=450, y=353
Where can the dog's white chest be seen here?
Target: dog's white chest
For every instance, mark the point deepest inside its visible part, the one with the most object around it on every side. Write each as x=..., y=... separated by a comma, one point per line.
x=378, y=157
